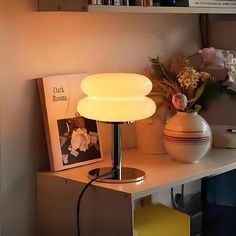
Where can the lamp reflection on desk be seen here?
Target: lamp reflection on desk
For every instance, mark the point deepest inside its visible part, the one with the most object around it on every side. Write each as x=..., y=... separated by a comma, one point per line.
x=116, y=98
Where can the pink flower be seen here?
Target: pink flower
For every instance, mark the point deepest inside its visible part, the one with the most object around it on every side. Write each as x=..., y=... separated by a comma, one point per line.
x=213, y=58
x=180, y=101
x=178, y=64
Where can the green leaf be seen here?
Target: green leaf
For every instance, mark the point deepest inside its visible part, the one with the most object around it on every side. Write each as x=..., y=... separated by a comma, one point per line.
x=198, y=93
x=213, y=92
x=197, y=107
x=190, y=93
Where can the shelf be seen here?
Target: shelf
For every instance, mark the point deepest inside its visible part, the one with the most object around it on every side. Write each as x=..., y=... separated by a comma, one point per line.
x=178, y=10
x=161, y=172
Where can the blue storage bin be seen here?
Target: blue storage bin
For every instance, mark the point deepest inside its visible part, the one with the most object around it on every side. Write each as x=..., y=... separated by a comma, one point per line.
x=219, y=205
x=219, y=220
x=221, y=189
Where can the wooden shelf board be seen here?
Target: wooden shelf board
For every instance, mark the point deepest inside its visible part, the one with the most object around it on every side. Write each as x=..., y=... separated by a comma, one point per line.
x=158, y=9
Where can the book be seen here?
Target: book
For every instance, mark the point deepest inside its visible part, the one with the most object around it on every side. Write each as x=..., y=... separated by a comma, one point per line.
x=212, y=3
x=72, y=140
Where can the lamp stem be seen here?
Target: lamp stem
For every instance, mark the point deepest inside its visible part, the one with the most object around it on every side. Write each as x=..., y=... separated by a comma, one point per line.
x=116, y=149
x=116, y=173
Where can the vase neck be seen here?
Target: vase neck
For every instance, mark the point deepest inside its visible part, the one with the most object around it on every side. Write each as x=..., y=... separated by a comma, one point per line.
x=183, y=113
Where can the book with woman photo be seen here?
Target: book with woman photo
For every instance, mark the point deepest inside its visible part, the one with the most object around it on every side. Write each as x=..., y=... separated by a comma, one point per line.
x=72, y=140
x=78, y=140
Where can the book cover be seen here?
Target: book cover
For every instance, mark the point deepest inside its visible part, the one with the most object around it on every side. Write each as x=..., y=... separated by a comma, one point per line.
x=212, y=3
x=72, y=140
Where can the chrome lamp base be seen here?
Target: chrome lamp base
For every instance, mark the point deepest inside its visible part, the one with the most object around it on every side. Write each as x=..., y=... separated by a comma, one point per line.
x=124, y=175
x=116, y=173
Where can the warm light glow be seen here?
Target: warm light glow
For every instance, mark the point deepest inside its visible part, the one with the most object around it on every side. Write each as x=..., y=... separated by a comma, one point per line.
x=116, y=85
x=116, y=97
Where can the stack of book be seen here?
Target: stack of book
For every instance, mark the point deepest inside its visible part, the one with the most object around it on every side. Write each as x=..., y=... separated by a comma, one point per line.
x=124, y=2
x=212, y=3
x=179, y=3
x=147, y=3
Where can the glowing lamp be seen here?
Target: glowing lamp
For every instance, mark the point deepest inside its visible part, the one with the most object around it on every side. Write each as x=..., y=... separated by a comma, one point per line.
x=116, y=98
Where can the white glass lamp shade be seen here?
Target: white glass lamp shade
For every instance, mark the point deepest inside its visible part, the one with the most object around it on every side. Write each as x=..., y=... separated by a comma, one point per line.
x=116, y=97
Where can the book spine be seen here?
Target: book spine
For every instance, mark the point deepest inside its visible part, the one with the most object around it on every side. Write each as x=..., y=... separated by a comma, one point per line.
x=149, y=3
x=46, y=122
x=117, y=2
x=211, y=3
x=96, y=2
x=126, y=2
x=108, y=2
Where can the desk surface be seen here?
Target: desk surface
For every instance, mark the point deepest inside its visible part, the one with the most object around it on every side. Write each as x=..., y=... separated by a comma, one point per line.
x=161, y=171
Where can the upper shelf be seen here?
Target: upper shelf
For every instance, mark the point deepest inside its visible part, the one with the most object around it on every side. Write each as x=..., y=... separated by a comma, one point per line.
x=157, y=9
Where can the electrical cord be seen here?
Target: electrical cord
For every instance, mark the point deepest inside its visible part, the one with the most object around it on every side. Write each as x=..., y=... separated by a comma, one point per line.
x=200, y=27
x=203, y=19
x=81, y=196
x=178, y=199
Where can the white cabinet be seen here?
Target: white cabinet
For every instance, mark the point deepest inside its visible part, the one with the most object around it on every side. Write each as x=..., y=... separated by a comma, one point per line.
x=107, y=209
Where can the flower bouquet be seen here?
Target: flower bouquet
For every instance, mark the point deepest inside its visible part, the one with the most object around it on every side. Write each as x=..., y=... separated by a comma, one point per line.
x=190, y=88
x=188, y=85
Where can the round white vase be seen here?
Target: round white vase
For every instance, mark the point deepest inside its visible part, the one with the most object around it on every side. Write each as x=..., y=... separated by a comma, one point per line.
x=187, y=137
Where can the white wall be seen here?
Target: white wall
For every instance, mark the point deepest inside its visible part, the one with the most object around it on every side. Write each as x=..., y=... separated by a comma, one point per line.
x=36, y=44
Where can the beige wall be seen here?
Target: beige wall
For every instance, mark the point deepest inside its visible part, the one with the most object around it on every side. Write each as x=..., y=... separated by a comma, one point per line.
x=222, y=34
x=36, y=44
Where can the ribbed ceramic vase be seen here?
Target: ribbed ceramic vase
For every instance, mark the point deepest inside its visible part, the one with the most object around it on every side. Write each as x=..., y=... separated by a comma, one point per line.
x=187, y=137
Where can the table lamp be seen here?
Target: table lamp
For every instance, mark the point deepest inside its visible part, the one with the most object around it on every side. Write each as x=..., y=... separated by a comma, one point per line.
x=116, y=98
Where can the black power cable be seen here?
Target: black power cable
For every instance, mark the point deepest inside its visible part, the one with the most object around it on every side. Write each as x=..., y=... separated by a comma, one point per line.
x=178, y=199
x=203, y=20
x=81, y=196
